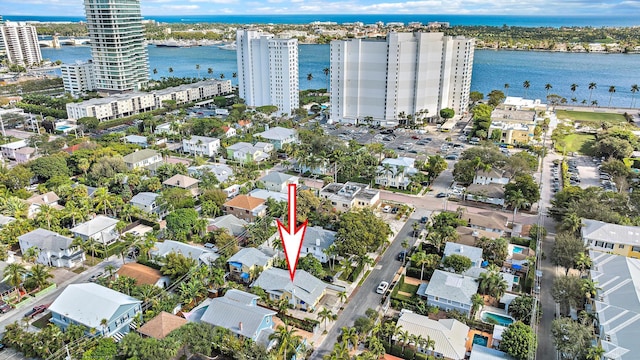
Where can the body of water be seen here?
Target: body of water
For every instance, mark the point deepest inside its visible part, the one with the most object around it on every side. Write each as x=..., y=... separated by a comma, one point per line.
x=491, y=70
x=489, y=20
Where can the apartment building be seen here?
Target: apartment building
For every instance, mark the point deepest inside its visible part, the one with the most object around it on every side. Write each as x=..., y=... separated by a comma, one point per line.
x=267, y=70
x=403, y=78
x=78, y=77
x=351, y=194
x=20, y=41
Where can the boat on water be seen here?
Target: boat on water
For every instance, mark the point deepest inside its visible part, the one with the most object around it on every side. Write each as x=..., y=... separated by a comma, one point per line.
x=230, y=46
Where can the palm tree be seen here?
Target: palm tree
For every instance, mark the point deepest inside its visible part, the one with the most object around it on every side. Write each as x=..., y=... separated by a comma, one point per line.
x=592, y=86
x=548, y=87
x=326, y=72
x=342, y=295
x=350, y=335
x=155, y=71
x=589, y=288
x=405, y=246
x=210, y=71
x=506, y=89
x=582, y=262
x=31, y=254
x=40, y=275
x=612, y=89
x=15, y=273
x=526, y=85
x=571, y=223
x=517, y=201
x=104, y=323
x=325, y=315
x=476, y=303
x=573, y=88
x=170, y=69
x=309, y=77
x=595, y=353
x=634, y=90
x=286, y=339
x=404, y=336
x=419, y=259
x=110, y=269
x=198, y=68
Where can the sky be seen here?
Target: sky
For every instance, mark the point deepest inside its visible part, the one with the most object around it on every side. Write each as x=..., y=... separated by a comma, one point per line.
x=242, y=7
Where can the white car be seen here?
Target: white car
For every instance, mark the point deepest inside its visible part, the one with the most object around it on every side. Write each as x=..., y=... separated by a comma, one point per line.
x=386, y=209
x=382, y=287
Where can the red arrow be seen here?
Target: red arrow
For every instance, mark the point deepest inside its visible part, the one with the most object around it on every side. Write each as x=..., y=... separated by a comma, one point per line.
x=292, y=237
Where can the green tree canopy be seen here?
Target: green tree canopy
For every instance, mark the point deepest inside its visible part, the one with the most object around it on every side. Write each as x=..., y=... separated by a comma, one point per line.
x=360, y=231
x=522, y=306
x=570, y=338
x=565, y=250
x=518, y=340
x=181, y=222
x=527, y=185
x=47, y=167
x=459, y=263
x=447, y=113
x=176, y=265
x=494, y=251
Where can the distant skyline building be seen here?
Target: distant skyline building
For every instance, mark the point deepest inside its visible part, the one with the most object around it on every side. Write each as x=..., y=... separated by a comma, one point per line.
x=405, y=76
x=267, y=70
x=20, y=42
x=118, y=45
x=78, y=77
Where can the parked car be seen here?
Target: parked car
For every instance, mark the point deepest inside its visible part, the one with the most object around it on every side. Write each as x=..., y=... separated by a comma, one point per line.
x=328, y=279
x=36, y=310
x=423, y=220
x=441, y=195
x=386, y=209
x=401, y=255
x=394, y=210
x=95, y=277
x=382, y=287
x=4, y=307
x=451, y=157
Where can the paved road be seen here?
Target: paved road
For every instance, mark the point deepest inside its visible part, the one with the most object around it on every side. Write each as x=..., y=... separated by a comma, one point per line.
x=365, y=296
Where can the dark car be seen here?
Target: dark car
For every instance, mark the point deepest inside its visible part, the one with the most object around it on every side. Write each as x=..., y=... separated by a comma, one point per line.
x=402, y=255
x=441, y=195
x=328, y=279
x=36, y=310
x=4, y=307
x=424, y=220
x=95, y=277
x=394, y=210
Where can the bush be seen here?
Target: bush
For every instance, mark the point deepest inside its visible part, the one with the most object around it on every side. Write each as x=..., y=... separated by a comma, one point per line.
x=408, y=354
x=354, y=274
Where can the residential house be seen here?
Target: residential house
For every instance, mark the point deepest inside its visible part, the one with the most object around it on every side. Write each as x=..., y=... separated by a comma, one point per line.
x=277, y=181
x=201, y=145
x=487, y=221
x=23, y=155
x=472, y=252
x=34, y=202
x=142, y=159
x=268, y=194
x=396, y=172
x=222, y=172
x=513, y=133
x=198, y=253
x=228, y=131
x=489, y=194
x=248, y=261
x=244, y=124
x=90, y=304
x=183, y=182
x=245, y=207
x=101, y=229
x=231, y=224
x=303, y=293
x=137, y=140
x=238, y=311
x=450, y=291
x=9, y=150
x=316, y=242
x=469, y=236
x=616, y=304
x=53, y=249
x=244, y=152
x=611, y=238
x=164, y=129
x=161, y=325
x=350, y=195
x=479, y=352
x=279, y=136
x=148, y=202
x=4, y=220
x=512, y=114
x=493, y=176
x=143, y=275
x=449, y=335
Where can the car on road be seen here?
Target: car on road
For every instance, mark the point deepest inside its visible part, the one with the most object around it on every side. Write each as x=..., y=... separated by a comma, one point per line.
x=4, y=307
x=401, y=255
x=423, y=220
x=95, y=277
x=452, y=157
x=36, y=310
x=441, y=195
x=382, y=287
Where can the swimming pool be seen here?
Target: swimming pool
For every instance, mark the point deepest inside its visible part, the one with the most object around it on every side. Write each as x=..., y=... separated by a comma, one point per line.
x=63, y=127
x=493, y=318
x=516, y=279
x=480, y=340
x=518, y=250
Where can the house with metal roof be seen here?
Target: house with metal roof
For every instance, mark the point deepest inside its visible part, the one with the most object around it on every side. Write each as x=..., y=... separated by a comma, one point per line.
x=316, y=241
x=238, y=311
x=53, y=248
x=278, y=182
x=89, y=304
x=198, y=253
x=147, y=202
x=491, y=176
x=222, y=172
x=201, y=145
x=612, y=238
x=245, y=207
x=247, y=261
x=268, y=194
x=279, y=136
x=472, y=252
x=616, y=304
x=245, y=152
x=303, y=293
x=231, y=224
x=488, y=194
x=450, y=291
x=449, y=335
x=142, y=159
x=101, y=229
x=479, y=352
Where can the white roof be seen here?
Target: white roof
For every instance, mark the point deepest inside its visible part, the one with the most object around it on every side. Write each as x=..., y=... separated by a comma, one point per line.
x=613, y=233
x=95, y=225
x=89, y=303
x=277, y=133
x=15, y=145
x=449, y=335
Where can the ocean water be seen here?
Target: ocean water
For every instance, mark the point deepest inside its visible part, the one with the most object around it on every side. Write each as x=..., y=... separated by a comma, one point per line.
x=491, y=69
x=490, y=20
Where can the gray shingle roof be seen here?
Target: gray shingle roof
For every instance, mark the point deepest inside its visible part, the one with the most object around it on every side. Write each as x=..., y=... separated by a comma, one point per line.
x=472, y=252
x=612, y=233
x=452, y=286
x=315, y=233
x=276, y=178
x=233, y=225
x=449, y=335
x=144, y=198
x=305, y=286
x=139, y=155
x=250, y=257
x=46, y=240
x=191, y=251
x=95, y=225
x=89, y=303
x=236, y=311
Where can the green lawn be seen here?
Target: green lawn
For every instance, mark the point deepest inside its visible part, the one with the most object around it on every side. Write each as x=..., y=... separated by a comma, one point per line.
x=408, y=288
x=590, y=117
x=580, y=143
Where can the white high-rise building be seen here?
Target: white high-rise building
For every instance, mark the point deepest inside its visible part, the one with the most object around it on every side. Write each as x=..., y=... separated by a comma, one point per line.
x=78, y=78
x=391, y=81
x=268, y=70
x=118, y=46
x=20, y=41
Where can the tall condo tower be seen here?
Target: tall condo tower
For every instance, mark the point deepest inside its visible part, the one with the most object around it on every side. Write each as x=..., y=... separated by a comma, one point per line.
x=407, y=76
x=267, y=70
x=118, y=46
x=20, y=41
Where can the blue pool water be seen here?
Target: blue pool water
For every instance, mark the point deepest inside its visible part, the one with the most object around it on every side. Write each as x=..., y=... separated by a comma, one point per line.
x=502, y=320
x=63, y=127
x=516, y=279
x=480, y=340
x=518, y=250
